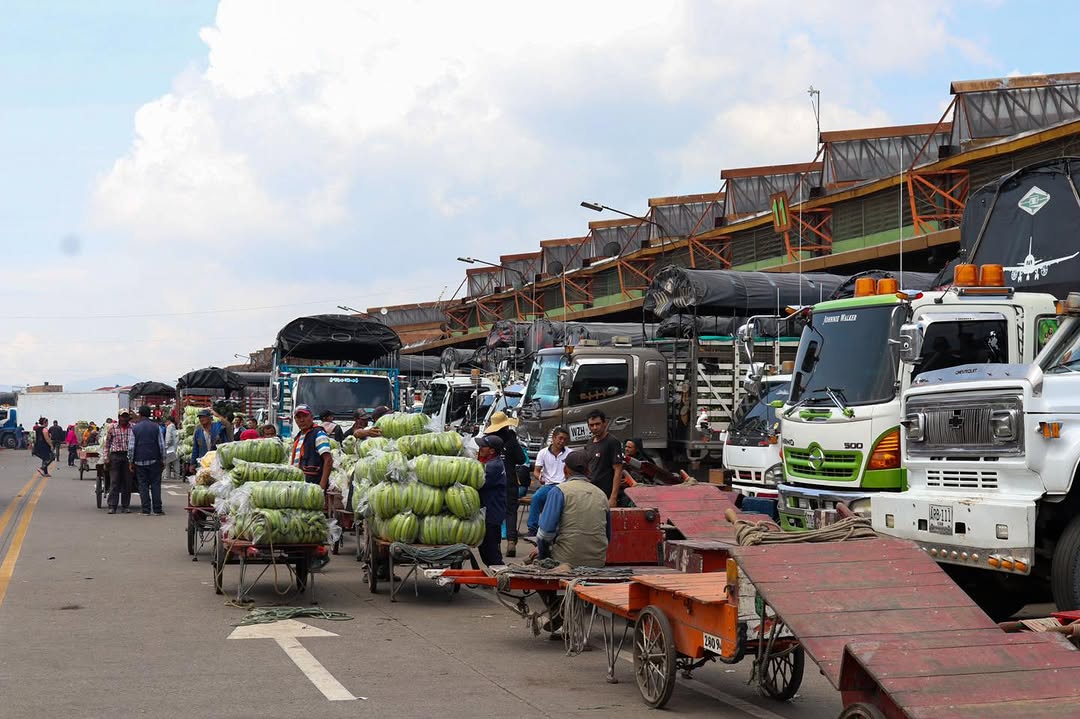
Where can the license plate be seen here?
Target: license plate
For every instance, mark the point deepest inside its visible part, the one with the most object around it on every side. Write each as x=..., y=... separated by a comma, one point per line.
x=941, y=519
x=712, y=643
x=579, y=432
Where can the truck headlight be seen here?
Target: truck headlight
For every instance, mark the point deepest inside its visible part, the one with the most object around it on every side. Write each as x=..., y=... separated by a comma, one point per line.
x=1003, y=424
x=915, y=426
x=775, y=473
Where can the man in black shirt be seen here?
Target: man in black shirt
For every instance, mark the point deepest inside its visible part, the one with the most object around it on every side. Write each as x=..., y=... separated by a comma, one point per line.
x=605, y=457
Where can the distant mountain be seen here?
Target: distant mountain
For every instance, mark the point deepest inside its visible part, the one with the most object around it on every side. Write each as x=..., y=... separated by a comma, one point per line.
x=91, y=383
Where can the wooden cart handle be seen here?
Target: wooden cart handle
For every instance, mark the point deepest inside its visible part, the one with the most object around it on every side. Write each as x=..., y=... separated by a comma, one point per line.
x=731, y=515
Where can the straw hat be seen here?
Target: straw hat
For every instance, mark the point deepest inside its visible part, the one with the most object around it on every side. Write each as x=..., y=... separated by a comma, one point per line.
x=498, y=421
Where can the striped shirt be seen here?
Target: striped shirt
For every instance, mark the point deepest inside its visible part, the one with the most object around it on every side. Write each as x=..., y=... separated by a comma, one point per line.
x=322, y=444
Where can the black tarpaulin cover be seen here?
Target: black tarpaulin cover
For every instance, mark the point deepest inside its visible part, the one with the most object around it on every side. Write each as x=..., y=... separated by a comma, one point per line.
x=419, y=365
x=453, y=359
x=909, y=281
x=508, y=333
x=336, y=337
x=211, y=378
x=605, y=332
x=676, y=290
x=1029, y=222
x=150, y=389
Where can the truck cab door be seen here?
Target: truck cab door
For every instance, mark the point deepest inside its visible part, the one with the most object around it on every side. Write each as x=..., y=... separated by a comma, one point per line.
x=650, y=404
x=603, y=383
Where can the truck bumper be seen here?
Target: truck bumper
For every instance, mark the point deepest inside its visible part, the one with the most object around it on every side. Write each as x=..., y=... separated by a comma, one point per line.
x=802, y=508
x=984, y=531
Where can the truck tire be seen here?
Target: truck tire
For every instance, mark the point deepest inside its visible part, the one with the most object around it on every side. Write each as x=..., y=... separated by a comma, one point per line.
x=10, y=441
x=1065, y=569
x=998, y=595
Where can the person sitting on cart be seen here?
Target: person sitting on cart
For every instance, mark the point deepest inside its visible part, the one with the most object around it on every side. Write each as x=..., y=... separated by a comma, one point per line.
x=311, y=448
x=492, y=498
x=208, y=435
x=575, y=527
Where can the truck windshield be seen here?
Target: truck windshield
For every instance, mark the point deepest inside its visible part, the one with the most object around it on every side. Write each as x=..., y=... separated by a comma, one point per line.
x=433, y=402
x=342, y=394
x=760, y=417
x=543, y=385
x=849, y=352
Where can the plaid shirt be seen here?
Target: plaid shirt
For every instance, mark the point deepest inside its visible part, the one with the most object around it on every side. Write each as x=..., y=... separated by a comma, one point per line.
x=121, y=439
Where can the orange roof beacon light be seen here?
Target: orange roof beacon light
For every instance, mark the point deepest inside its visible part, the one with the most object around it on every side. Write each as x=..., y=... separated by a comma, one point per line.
x=965, y=275
x=887, y=286
x=991, y=276
x=865, y=286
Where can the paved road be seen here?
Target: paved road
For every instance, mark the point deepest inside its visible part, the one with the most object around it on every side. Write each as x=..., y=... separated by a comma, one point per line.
x=108, y=616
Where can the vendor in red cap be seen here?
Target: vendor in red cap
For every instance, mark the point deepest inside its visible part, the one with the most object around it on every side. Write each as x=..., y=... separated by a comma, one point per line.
x=311, y=448
x=492, y=498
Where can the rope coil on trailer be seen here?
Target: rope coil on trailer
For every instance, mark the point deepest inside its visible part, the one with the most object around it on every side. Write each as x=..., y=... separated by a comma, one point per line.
x=749, y=533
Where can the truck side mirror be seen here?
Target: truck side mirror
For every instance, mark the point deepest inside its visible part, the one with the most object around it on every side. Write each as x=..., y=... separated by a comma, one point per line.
x=911, y=342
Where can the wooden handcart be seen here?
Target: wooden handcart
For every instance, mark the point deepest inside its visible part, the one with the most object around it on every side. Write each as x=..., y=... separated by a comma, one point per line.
x=680, y=622
x=296, y=559
x=380, y=557
x=202, y=525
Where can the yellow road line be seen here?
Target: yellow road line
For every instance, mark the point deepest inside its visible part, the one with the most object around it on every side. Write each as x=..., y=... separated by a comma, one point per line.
x=15, y=503
x=8, y=567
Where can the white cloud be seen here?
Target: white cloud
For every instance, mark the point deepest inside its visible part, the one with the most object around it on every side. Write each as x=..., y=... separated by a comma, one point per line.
x=340, y=150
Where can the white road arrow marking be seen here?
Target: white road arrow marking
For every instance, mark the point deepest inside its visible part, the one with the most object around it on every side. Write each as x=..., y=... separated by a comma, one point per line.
x=287, y=633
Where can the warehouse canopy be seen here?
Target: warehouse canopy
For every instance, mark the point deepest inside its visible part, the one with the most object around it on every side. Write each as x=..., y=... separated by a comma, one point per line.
x=336, y=337
x=150, y=389
x=211, y=378
x=676, y=290
x=1027, y=222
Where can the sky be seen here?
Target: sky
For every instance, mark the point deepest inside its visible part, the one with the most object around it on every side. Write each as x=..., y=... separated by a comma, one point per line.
x=183, y=177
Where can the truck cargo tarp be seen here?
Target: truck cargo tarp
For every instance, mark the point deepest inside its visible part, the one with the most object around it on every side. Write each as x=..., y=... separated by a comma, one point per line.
x=150, y=389
x=453, y=359
x=508, y=333
x=606, y=332
x=1027, y=222
x=419, y=365
x=910, y=281
x=336, y=337
x=676, y=290
x=211, y=378
x=685, y=326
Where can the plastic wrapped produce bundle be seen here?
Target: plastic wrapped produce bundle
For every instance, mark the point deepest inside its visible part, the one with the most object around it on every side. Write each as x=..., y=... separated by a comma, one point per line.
x=403, y=527
x=376, y=467
x=447, y=529
x=268, y=450
x=359, y=500
x=280, y=526
x=401, y=424
x=444, y=443
x=462, y=501
x=390, y=498
x=427, y=500
x=201, y=496
x=287, y=495
x=374, y=444
x=261, y=472
x=444, y=471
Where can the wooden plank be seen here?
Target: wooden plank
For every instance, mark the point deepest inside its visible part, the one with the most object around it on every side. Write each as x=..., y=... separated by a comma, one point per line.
x=830, y=552
x=949, y=640
x=848, y=575
x=771, y=590
x=902, y=621
x=941, y=691
x=1059, y=708
x=876, y=599
x=887, y=663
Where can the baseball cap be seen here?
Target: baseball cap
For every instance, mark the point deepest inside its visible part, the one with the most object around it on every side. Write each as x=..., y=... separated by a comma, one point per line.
x=578, y=462
x=122, y=412
x=380, y=411
x=205, y=413
x=302, y=409
x=492, y=441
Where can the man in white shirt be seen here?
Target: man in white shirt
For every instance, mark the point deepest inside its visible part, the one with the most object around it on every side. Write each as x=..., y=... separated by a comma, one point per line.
x=548, y=472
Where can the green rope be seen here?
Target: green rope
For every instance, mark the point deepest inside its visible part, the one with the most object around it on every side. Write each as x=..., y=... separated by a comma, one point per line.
x=268, y=615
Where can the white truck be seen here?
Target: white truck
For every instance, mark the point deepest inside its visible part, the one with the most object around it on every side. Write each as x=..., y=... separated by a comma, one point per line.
x=450, y=398
x=752, y=448
x=993, y=455
x=70, y=407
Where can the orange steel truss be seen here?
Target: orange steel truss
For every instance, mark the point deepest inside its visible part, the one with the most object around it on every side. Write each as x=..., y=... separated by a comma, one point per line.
x=815, y=228
x=937, y=199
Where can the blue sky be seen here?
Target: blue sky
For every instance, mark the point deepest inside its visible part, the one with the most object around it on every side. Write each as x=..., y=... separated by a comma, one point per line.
x=195, y=168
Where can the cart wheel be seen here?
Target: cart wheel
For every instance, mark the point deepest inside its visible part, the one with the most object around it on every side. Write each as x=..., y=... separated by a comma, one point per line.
x=457, y=587
x=372, y=564
x=336, y=546
x=190, y=534
x=783, y=673
x=862, y=711
x=218, y=563
x=97, y=491
x=654, y=657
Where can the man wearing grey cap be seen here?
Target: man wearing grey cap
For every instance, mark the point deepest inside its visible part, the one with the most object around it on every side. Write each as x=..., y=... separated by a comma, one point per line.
x=575, y=525
x=492, y=498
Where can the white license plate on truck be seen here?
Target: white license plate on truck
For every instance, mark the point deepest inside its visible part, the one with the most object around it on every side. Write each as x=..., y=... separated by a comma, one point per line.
x=941, y=519
x=579, y=432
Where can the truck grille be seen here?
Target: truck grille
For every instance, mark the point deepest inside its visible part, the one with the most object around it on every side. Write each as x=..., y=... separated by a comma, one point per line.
x=960, y=424
x=822, y=464
x=962, y=478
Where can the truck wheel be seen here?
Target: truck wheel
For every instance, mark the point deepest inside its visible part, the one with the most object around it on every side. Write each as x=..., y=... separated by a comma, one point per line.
x=999, y=595
x=1065, y=569
x=10, y=442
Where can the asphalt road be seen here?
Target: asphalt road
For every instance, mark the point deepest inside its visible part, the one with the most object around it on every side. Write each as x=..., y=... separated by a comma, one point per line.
x=107, y=616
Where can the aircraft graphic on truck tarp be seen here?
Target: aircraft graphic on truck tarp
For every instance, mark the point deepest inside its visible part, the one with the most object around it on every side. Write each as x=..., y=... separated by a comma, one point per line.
x=1032, y=268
